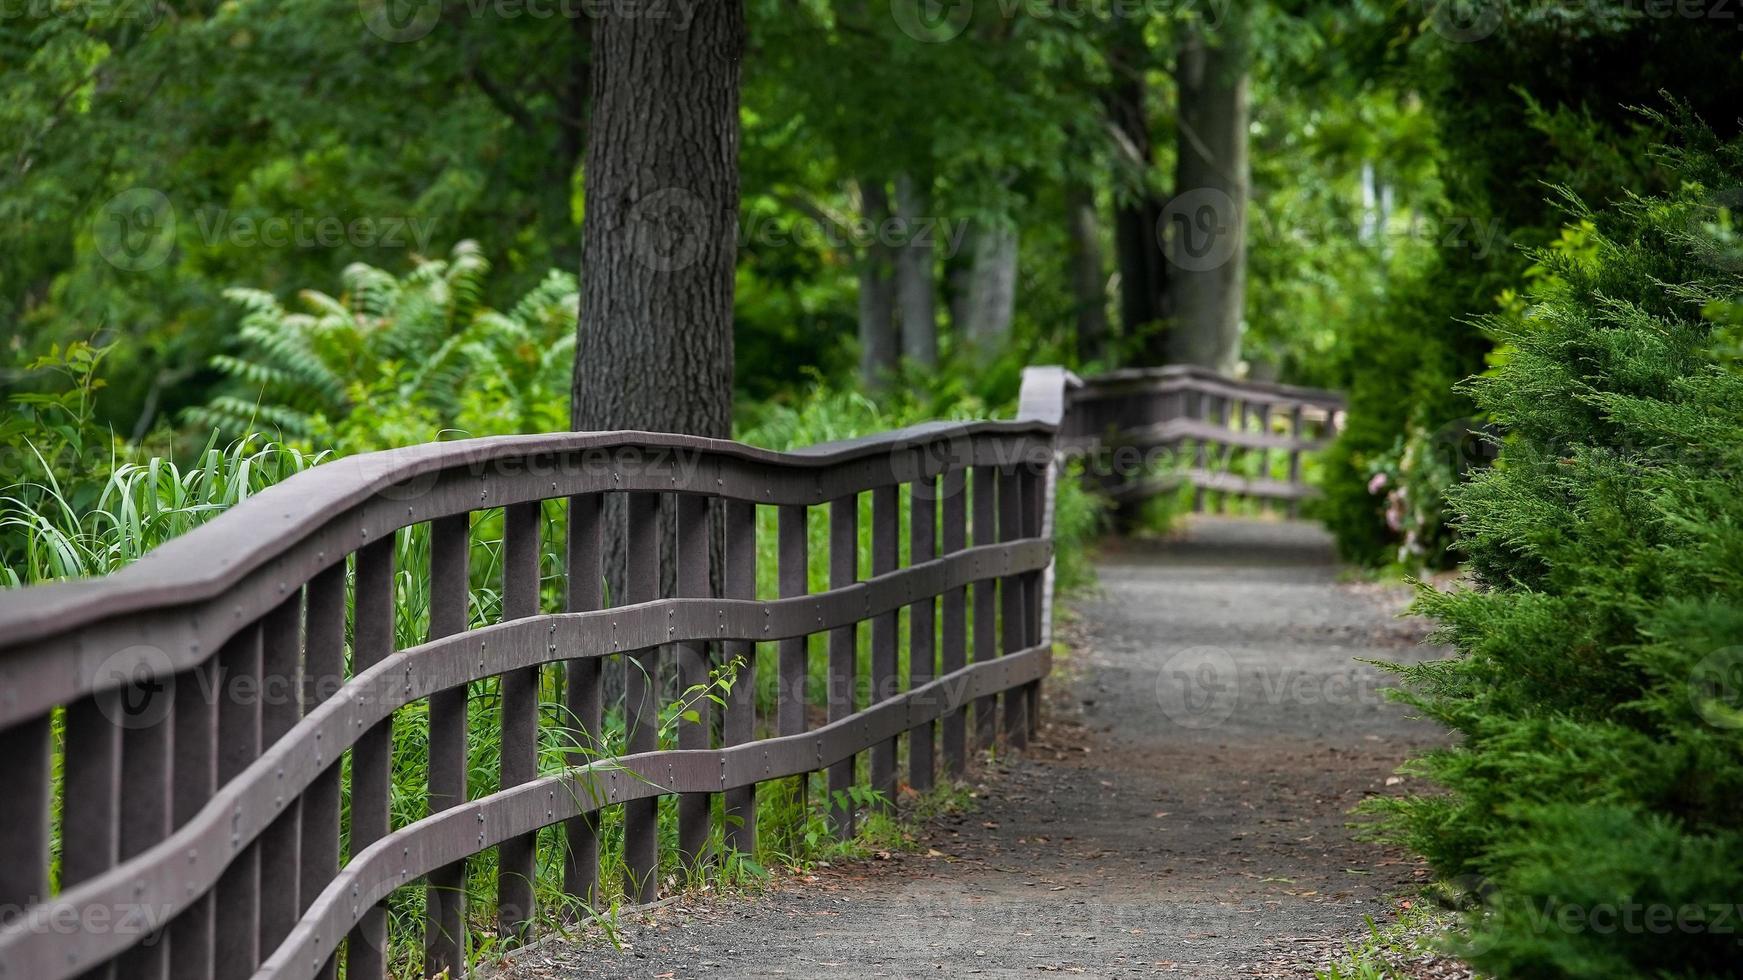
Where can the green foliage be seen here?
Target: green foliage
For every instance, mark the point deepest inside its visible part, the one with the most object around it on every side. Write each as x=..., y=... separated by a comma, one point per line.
x=1546, y=96
x=421, y=354
x=1597, y=785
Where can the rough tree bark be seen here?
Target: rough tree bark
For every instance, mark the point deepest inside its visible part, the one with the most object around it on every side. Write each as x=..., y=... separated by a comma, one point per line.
x=915, y=295
x=1088, y=280
x=879, y=349
x=1137, y=212
x=1207, y=249
x=654, y=349
x=987, y=289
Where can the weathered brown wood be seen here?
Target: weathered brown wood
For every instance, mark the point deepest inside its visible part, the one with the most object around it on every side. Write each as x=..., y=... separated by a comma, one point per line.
x=885, y=554
x=641, y=858
x=238, y=893
x=26, y=769
x=843, y=655
x=1013, y=614
x=148, y=795
x=1295, y=457
x=985, y=601
x=953, y=504
x=739, y=724
x=280, y=709
x=193, y=933
x=372, y=757
x=583, y=698
x=517, y=859
x=450, y=611
x=323, y=673
x=922, y=533
x=793, y=559
x=695, y=719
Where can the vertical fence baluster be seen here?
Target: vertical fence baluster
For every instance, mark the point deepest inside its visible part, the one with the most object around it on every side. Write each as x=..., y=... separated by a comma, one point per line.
x=954, y=655
x=193, y=933
x=25, y=769
x=1265, y=503
x=91, y=794
x=1199, y=405
x=280, y=710
x=238, y=891
x=886, y=531
x=641, y=668
x=985, y=607
x=371, y=756
x=323, y=672
x=922, y=526
x=581, y=691
x=1035, y=502
x=450, y=613
x=517, y=858
x=739, y=724
x=843, y=653
x=147, y=730
x=696, y=721
x=1295, y=460
x=1014, y=614
x=792, y=568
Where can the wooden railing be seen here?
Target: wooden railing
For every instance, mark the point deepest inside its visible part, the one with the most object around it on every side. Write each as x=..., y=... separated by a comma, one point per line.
x=1146, y=431
x=173, y=737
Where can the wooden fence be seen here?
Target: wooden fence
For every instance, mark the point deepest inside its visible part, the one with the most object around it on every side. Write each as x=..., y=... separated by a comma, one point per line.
x=1211, y=429
x=173, y=737
x=179, y=741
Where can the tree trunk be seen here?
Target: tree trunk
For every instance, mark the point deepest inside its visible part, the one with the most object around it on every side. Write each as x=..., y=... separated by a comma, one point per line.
x=1088, y=281
x=878, y=345
x=1206, y=229
x=988, y=293
x=654, y=344
x=915, y=295
x=1137, y=212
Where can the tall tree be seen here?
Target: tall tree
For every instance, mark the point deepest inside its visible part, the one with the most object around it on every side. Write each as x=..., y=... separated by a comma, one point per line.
x=879, y=347
x=654, y=348
x=1088, y=281
x=1137, y=209
x=1206, y=221
x=915, y=292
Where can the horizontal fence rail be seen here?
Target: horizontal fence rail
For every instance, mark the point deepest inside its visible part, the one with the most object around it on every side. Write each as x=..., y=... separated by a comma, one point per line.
x=1151, y=430
x=198, y=750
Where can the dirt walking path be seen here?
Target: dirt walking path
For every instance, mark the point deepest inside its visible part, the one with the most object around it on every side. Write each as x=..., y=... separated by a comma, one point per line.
x=1185, y=813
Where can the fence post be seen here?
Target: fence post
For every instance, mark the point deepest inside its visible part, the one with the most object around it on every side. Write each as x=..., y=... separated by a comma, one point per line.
x=843, y=653
x=450, y=613
x=739, y=724
x=692, y=664
x=1014, y=613
x=792, y=568
x=885, y=553
x=641, y=674
x=985, y=606
x=581, y=691
x=1295, y=459
x=280, y=710
x=371, y=757
x=26, y=768
x=954, y=655
x=323, y=672
x=146, y=790
x=922, y=531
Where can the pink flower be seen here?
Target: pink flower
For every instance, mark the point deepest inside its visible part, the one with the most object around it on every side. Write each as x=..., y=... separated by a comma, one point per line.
x=1378, y=483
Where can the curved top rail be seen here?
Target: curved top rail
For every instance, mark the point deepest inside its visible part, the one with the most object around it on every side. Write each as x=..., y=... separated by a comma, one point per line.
x=203, y=563
x=1189, y=372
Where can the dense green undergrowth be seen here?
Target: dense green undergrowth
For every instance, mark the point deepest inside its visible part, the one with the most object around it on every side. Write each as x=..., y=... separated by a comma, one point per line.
x=1594, y=803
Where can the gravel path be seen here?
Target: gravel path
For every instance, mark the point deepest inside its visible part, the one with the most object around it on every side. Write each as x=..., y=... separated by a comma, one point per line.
x=1184, y=813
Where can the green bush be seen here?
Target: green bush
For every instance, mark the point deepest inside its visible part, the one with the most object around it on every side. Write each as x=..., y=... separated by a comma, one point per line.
x=1596, y=788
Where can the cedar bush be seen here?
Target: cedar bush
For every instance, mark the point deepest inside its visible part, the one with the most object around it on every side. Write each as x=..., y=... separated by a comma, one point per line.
x=1596, y=787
